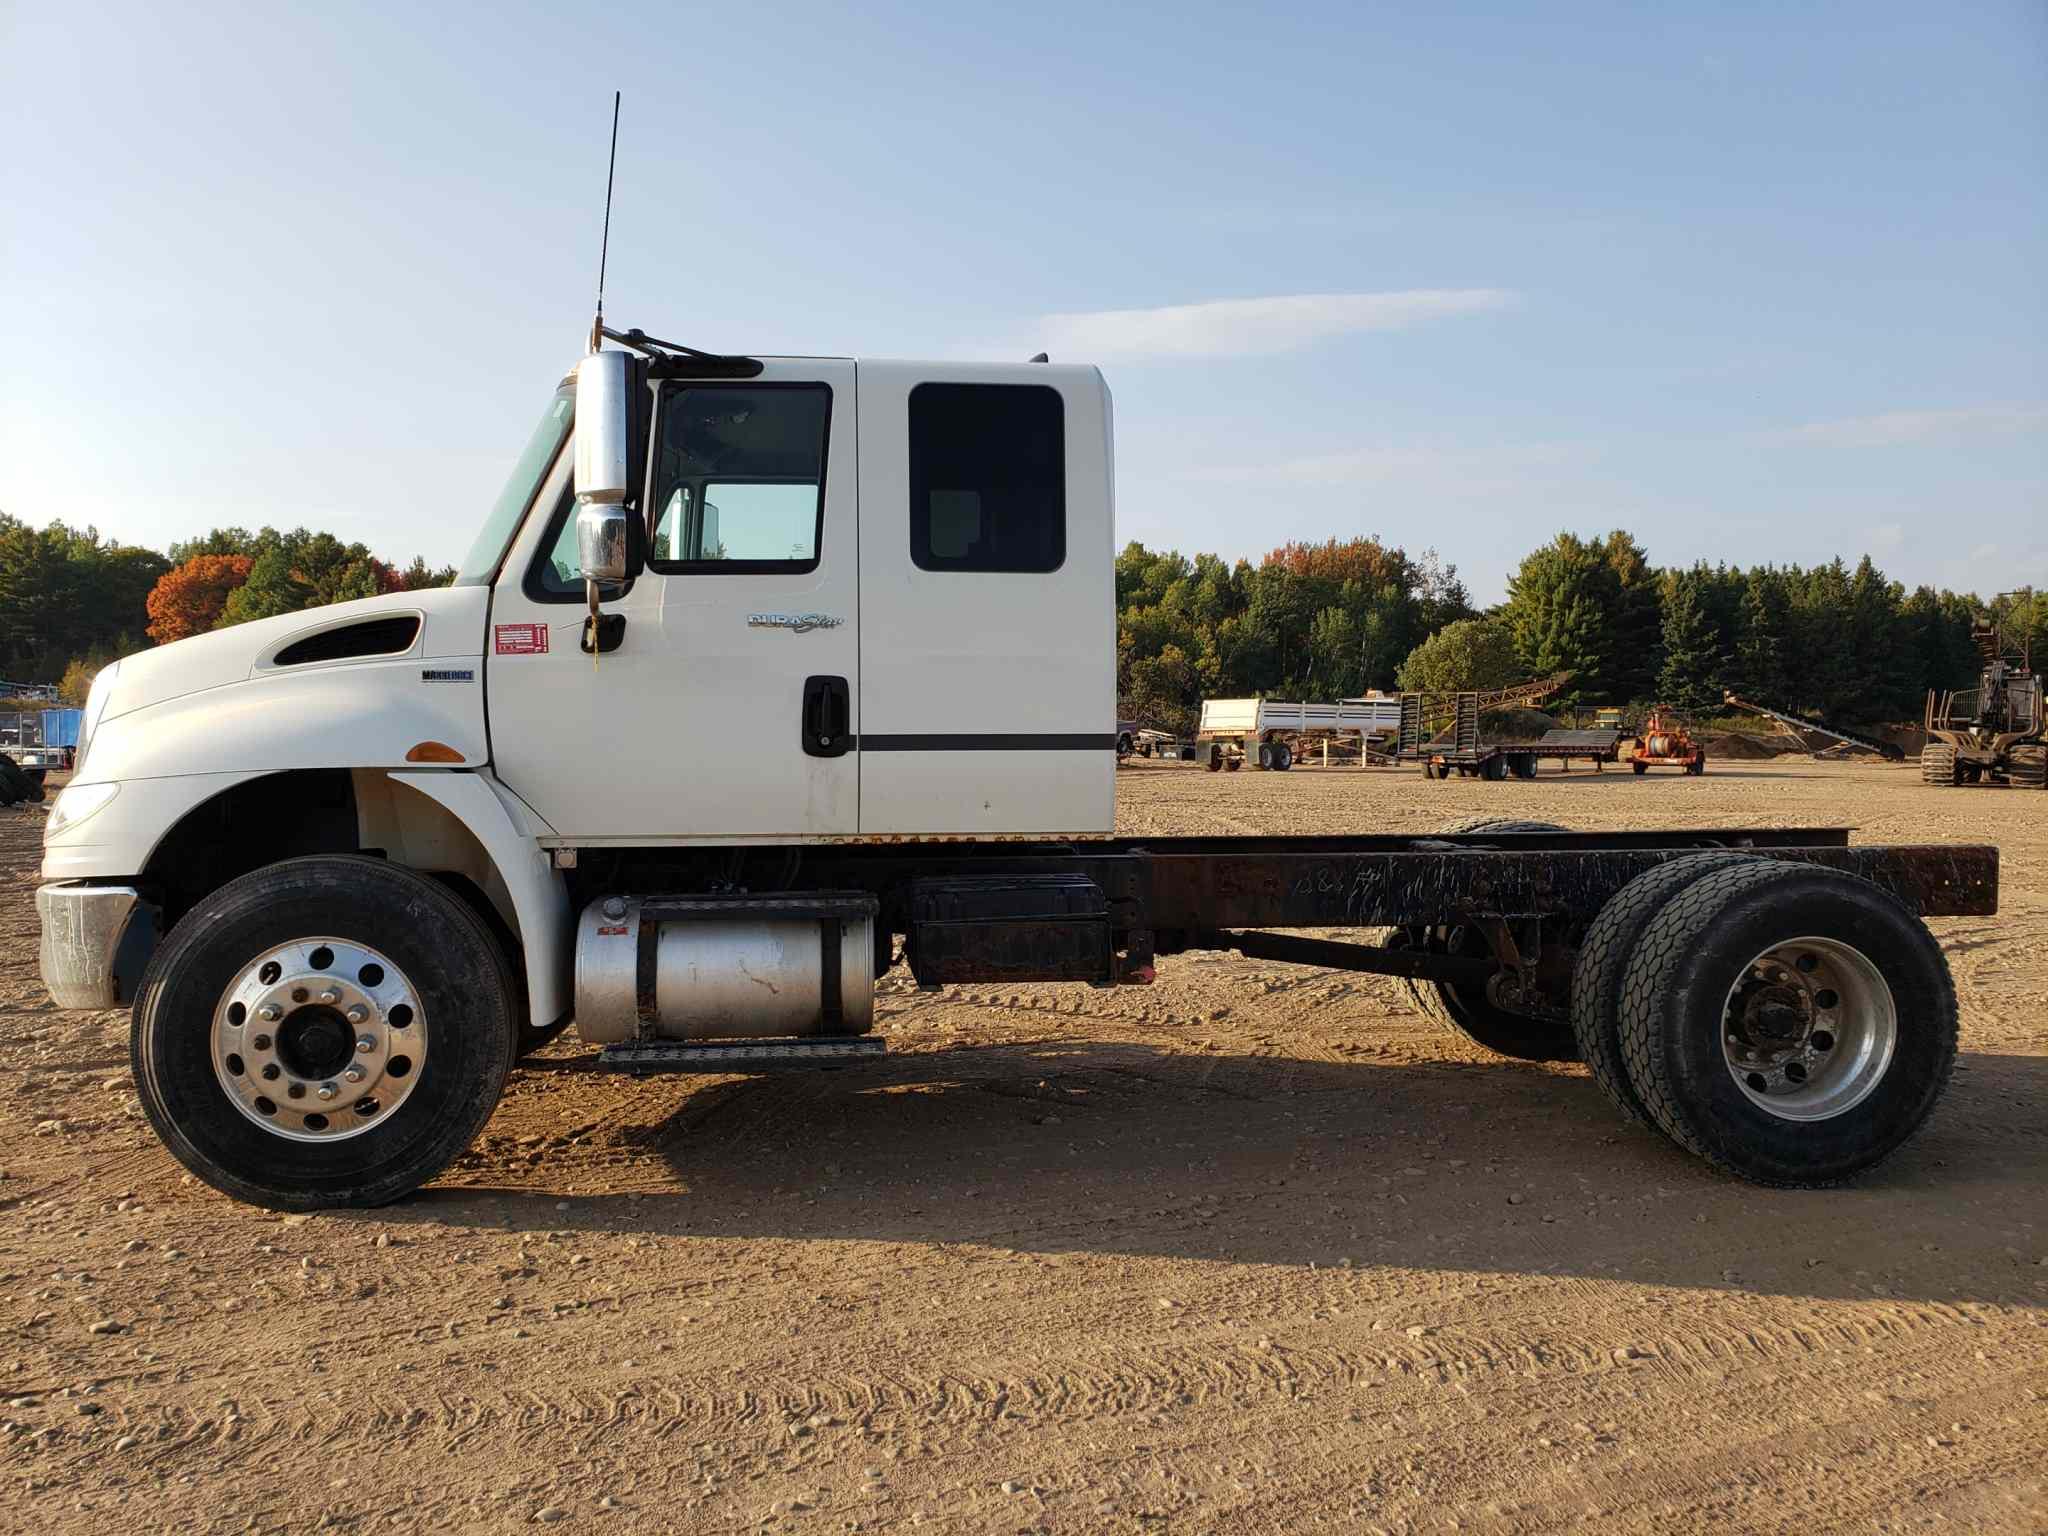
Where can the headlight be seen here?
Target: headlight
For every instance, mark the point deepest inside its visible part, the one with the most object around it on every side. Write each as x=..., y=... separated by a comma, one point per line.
x=96, y=698
x=75, y=804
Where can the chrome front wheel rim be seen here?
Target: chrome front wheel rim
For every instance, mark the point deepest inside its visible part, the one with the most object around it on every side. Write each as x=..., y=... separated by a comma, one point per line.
x=319, y=1039
x=1809, y=1029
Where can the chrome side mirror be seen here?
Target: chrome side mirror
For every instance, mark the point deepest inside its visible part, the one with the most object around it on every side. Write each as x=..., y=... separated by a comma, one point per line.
x=601, y=428
x=601, y=542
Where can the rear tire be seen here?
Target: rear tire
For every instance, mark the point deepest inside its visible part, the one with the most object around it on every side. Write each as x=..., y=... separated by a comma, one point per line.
x=1522, y=766
x=1507, y=1034
x=1602, y=967
x=1215, y=760
x=2028, y=768
x=1938, y=765
x=463, y=1031
x=1283, y=757
x=1713, y=1008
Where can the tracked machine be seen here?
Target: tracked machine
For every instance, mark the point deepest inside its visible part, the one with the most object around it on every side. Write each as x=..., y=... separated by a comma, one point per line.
x=1993, y=733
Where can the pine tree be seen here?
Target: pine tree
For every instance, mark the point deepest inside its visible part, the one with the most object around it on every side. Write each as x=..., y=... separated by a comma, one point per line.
x=1559, y=608
x=1690, y=680
x=1762, y=636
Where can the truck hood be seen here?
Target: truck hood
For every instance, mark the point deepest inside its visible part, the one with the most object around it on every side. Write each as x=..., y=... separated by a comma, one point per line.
x=451, y=626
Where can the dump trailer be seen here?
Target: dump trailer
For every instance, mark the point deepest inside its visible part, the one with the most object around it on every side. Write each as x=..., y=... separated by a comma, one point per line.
x=1272, y=732
x=346, y=866
x=1993, y=733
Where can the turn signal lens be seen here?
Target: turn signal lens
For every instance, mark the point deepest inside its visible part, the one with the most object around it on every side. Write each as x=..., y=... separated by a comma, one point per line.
x=75, y=804
x=434, y=752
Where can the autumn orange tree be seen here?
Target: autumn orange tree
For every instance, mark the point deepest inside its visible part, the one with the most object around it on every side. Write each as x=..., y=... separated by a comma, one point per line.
x=188, y=598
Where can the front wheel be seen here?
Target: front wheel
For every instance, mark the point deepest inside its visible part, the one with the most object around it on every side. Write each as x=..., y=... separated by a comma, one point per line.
x=328, y=1031
x=1640, y=766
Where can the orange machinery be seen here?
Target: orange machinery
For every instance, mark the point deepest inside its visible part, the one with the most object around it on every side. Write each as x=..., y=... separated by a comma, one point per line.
x=1665, y=744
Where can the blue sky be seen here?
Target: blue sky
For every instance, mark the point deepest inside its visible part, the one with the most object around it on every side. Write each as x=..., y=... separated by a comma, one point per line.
x=1758, y=282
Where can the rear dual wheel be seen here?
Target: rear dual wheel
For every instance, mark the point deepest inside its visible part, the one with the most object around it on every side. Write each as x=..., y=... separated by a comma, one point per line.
x=327, y=1031
x=1791, y=1024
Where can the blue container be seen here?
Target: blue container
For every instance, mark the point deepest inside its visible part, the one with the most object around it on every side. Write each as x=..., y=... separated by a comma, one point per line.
x=60, y=727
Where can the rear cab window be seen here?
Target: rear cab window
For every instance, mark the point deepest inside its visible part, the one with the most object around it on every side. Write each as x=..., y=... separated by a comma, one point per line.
x=988, y=478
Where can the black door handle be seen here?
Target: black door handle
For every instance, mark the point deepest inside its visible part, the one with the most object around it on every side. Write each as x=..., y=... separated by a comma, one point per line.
x=827, y=717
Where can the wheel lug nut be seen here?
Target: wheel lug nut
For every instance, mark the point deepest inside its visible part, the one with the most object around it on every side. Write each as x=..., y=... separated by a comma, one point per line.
x=327, y=1090
x=270, y=1073
x=296, y=1091
x=355, y=1074
x=270, y=1013
x=366, y=1044
x=329, y=995
x=357, y=1013
x=261, y=1042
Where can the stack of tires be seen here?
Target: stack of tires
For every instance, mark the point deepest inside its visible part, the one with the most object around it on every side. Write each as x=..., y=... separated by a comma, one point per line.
x=16, y=786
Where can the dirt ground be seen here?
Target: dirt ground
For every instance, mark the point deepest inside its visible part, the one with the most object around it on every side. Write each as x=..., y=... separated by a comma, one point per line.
x=1255, y=1249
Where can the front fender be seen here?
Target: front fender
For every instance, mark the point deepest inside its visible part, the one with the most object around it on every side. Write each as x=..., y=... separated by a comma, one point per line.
x=540, y=898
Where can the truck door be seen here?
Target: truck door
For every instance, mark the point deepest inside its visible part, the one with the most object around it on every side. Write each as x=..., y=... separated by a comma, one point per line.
x=728, y=710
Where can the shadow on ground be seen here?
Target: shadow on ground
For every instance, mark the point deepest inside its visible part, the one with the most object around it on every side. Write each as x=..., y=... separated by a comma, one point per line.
x=1064, y=1146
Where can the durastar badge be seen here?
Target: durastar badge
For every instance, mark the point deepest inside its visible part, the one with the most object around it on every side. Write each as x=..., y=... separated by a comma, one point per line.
x=800, y=622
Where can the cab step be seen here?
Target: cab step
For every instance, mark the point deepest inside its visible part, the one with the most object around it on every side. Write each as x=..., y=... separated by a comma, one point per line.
x=727, y=1056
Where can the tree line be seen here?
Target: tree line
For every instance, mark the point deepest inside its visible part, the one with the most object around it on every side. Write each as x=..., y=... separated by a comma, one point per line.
x=71, y=601
x=1333, y=620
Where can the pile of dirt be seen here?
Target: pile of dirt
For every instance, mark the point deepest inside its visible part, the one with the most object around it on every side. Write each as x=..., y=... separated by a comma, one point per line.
x=1740, y=746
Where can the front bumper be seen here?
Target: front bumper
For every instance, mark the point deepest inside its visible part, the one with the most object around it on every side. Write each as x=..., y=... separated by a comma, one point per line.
x=96, y=941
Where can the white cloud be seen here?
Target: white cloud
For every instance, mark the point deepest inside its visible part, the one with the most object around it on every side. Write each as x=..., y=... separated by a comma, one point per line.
x=1246, y=327
x=1894, y=427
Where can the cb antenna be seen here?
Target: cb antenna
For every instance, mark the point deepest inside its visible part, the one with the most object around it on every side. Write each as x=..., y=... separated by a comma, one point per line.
x=605, y=244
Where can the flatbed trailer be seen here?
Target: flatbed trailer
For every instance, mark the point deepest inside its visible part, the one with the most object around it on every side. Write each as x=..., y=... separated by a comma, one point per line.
x=1456, y=748
x=1519, y=759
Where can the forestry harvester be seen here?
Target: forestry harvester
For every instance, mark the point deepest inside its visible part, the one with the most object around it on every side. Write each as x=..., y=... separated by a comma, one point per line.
x=1993, y=733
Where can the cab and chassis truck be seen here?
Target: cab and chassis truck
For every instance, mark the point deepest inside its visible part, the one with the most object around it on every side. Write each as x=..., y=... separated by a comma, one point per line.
x=346, y=866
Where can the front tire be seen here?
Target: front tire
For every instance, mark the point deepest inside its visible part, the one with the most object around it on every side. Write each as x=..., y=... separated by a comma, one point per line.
x=345, y=949
x=1790, y=1024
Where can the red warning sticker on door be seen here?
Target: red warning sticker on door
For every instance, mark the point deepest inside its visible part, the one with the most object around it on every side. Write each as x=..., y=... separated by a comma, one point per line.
x=522, y=639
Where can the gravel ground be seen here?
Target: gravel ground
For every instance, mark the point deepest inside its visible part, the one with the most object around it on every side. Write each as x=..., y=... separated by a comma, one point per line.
x=1254, y=1249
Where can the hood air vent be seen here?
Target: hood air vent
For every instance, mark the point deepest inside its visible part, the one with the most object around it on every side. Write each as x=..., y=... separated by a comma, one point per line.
x=372, y=637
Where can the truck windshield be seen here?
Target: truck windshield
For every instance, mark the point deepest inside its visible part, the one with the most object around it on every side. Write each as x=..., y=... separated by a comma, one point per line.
x=481, y=563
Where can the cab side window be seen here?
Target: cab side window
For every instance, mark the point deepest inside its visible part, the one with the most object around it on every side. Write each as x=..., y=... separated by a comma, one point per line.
x=988, y=477
x=739, y=479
